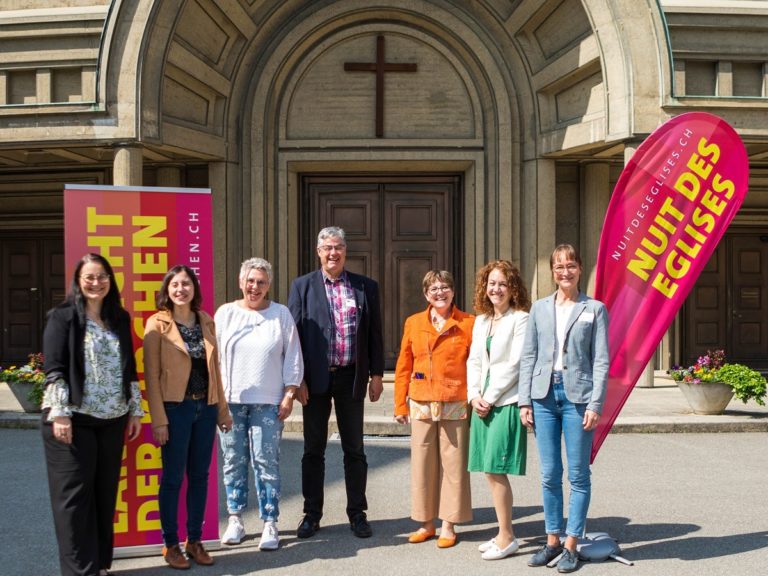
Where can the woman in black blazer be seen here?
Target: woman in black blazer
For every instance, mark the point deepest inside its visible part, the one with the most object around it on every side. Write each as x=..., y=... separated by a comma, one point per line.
x=92, y=395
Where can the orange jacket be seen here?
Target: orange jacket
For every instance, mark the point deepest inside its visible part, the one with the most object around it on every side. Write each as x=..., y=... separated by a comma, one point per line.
x=432, y=367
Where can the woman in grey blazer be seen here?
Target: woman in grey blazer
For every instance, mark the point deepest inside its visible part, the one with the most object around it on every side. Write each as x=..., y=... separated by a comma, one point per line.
x=563, y=378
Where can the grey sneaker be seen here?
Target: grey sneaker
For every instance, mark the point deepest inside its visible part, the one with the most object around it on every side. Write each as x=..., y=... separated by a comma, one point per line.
x=568, y=562
x=544, y=556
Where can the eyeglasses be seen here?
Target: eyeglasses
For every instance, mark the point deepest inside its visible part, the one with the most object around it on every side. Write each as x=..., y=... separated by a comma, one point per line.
x=437, y=289
x=91, y=278
x=258, y=283
x=330, y=247
x=560, y=269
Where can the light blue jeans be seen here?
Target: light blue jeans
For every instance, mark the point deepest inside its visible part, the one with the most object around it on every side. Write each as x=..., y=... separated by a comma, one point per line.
x=255, y=439
x=555, y=416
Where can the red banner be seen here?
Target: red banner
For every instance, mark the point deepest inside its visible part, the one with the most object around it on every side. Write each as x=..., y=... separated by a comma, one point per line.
x=143, y=232
x=671, y=205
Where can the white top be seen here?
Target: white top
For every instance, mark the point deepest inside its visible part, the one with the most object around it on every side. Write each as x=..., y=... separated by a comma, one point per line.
x=259, y=351
x=503, y=363
x=562, y=313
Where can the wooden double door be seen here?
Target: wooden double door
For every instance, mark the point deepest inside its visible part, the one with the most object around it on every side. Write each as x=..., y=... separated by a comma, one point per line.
x=397, y=229
x=32, y=281
x=728, y=307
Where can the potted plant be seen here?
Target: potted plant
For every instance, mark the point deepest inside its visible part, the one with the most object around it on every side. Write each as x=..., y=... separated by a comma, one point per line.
x=710, y=383
x=27, y=382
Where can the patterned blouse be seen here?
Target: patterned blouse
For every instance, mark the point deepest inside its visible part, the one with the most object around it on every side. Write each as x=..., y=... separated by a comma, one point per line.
x=103, y=395
x=198, y=376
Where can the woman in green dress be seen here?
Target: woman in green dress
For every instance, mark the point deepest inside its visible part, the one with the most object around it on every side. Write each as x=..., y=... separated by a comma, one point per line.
x=497, y=444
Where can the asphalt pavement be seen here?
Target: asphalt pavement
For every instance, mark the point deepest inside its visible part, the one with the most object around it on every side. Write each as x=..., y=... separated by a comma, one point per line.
x=683, y=501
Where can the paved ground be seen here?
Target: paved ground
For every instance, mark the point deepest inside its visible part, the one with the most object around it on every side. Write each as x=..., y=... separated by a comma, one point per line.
x=686, y=502
x=682, y=504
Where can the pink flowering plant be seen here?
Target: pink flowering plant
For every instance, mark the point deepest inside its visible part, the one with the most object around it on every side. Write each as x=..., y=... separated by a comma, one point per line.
x=31, y=372
x=747, y=384
x=705, y=369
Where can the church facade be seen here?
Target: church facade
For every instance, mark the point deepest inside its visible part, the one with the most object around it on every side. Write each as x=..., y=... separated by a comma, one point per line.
x=438, y=133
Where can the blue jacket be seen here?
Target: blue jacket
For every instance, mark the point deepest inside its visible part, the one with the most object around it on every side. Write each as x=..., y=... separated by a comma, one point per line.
x=309, y=306
x=585, y=356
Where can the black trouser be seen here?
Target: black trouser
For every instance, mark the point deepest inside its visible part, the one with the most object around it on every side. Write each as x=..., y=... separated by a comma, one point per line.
x=349, y=417
x=82, y=479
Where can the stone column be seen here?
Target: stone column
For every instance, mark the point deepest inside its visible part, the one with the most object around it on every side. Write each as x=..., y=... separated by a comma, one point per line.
x=224, y=275
x=538, y=226
x=127, y=166
x=169, y=176
x=595, y=198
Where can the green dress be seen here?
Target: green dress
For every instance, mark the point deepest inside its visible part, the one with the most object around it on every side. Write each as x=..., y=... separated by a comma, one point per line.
x=498, y=443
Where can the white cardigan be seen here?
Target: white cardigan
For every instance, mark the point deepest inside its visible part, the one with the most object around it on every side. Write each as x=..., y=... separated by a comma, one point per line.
x=503, y=361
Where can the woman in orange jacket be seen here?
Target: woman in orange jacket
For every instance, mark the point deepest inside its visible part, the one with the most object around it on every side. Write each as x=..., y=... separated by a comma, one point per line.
x=431, y=393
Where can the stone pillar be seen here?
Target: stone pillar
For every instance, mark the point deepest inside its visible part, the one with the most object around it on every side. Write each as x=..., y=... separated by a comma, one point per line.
x=169, y=176
x=646, y=378
x=595, y=198
x=224, y=275
x=539, y=228
x=127, y=166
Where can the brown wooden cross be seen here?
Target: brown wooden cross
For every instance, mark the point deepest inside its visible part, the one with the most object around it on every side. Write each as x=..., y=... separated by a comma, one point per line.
x=379, y=67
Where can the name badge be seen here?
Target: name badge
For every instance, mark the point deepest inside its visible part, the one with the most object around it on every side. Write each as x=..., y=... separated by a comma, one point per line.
x=587, y=317
x=351, y=303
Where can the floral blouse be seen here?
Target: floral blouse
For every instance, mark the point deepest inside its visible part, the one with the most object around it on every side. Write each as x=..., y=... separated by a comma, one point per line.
x=103, y=395
x=193, y=340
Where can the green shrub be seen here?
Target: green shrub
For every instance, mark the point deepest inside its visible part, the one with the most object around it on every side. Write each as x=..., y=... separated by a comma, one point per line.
x=746, y=383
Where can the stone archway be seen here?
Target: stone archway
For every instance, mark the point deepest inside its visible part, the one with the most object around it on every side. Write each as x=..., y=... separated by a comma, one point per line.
x=227, y=102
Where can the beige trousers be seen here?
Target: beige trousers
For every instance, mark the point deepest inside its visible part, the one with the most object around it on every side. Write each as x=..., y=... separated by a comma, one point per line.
x=439, y=479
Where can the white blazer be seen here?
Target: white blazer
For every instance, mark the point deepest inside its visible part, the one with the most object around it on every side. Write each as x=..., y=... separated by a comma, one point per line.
x=503, y=362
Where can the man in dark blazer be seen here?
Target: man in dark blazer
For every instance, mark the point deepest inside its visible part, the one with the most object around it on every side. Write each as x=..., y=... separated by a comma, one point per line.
x=339, y=323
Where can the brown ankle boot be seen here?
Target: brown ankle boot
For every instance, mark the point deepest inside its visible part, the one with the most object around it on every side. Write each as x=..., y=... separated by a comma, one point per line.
x=197, y=553
x=175, y=558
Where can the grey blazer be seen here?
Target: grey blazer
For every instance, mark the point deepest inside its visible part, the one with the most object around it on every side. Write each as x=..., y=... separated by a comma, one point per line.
x=585, y=353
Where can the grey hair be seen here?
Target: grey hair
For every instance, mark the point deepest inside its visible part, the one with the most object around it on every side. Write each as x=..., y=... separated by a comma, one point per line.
x=255, y=264
x=331, y=232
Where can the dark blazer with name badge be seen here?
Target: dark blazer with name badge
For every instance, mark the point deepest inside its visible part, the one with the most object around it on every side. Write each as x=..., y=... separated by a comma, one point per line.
x=311, y=311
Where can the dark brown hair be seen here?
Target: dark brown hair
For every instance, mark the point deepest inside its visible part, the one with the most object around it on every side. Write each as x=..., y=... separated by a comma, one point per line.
x=164, y=301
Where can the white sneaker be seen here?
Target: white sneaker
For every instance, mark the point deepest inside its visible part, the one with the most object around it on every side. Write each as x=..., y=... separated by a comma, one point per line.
x=234, y=532
x=487, y=545
x=496, y=553
x=269, y=537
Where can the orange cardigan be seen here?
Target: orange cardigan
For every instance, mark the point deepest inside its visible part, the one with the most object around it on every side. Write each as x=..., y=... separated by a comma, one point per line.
x=432, y=367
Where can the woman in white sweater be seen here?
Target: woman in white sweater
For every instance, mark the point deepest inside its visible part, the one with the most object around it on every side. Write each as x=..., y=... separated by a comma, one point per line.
x=497, y=440
x=261, y=368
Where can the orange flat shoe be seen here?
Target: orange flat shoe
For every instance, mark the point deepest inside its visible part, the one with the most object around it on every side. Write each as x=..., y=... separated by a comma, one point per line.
x=420, y=536
x=446, y=542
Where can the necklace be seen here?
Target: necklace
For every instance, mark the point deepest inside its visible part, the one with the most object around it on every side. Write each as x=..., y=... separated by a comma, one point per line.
x=437, y=321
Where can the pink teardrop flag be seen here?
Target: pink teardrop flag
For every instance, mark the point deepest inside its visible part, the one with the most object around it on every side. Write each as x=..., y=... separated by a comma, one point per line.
x=670, y=207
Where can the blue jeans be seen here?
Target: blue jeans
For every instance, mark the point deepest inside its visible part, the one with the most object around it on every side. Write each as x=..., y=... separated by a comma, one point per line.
x=556, y=416
x=255, y=438
x=191, y=432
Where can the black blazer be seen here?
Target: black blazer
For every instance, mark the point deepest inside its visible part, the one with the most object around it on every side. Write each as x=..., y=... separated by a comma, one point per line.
x=64, y=354
x=309, y=306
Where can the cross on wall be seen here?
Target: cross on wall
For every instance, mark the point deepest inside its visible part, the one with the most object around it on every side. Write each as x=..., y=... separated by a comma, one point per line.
x=380, y=67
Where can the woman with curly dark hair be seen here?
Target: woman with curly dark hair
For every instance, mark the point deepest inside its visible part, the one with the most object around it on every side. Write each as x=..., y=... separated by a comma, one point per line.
x=91, y=397
x=497, y=440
